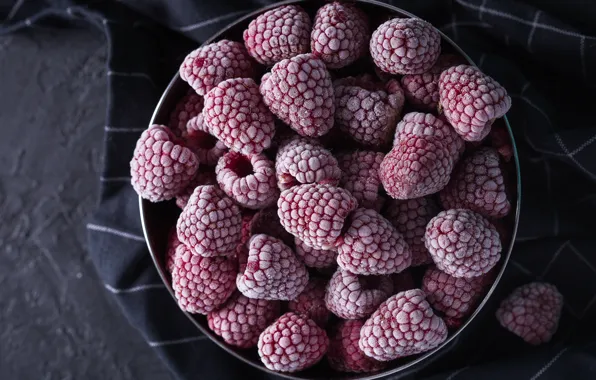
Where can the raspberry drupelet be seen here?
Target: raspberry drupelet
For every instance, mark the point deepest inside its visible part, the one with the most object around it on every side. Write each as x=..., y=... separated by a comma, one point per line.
x=315, y=258
x=311, y=302
x=188, y=107
x=360, y=176
x=198, y=138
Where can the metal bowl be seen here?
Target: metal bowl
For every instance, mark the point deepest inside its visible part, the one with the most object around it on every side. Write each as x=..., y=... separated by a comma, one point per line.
x=158, y=218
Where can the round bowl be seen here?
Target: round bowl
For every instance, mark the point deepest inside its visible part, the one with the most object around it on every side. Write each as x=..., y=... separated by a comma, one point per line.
x=158, y=218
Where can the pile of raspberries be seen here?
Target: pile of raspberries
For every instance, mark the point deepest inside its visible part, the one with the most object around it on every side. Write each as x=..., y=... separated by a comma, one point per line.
x=307, y=198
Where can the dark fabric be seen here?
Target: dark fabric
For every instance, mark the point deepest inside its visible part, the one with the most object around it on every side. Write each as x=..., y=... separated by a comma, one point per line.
x=544, y=53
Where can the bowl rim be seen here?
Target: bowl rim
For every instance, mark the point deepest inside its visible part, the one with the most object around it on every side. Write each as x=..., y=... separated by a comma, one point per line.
x=425, y=358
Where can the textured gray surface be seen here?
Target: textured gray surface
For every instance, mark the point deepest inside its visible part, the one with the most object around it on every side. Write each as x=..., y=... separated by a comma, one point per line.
x=56, y=319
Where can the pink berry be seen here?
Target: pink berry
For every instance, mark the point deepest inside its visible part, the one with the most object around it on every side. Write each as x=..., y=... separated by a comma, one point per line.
x=500, y=140
x=299, y=91
x=188, y=107
x=210, y=224
x=311, y=302
x=204, y=176
x=173, y=243
x=272, y=271
x=471, y=101
x=161, y=168
x=344, y=354
x=207, y=66
x=315, y=258
x=360, y=176
x=267, y=222
x=280, y=33
x=198, y=138
x=462, y=243
x=403, y=325
x=532, y=312
x=405, y=46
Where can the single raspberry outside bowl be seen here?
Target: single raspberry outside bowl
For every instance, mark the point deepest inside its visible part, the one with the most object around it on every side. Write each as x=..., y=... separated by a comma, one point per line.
x=157, y=218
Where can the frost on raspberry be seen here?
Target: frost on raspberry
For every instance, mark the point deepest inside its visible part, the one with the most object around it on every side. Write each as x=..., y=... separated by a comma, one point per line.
x=207, y=66
x=315, y=213
x=315, y=258
x=303, y=160
x=172, y=244
x=532, y=312
x=410, y=218
x=367, y=110
x=360, y=176
x=188, y=107
x=272, y=271
x=311, y=302
x=372, y=246
x=462, y=243
x=403, y=325
x=471, y=101
x=405, y=46
x=198, y=138
x=211, y=223
x=202, y=284
x=204, y=176
x=340, y=34
x=344, y=354
x=292, y=343
x=241, y=320
x=280, y=33
x=299, y=91
x=161, y=167
x=353, y=297
x=267, y=222
x=236, y=115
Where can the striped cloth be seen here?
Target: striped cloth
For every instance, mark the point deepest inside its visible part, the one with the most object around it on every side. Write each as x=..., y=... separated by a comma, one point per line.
x=544, y=53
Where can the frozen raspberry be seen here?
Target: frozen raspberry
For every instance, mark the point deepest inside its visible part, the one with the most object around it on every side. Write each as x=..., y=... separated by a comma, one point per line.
x=236, y=115
x=462, y=243
x=315, y=213
x=207, y=66
x=315, y=258
x=402, y=281
x=410, y=218
x=247, y=216
x=304, y=160
x=367, y=111
x=173, y=243
x=292, y=343
x=280, y=33
x=371, y=245
x=405, y=46
x=299, y=91
x=453, y=323
x=210, y=224
x=403, y=325
x=267, y=222
x=272, y=271
x=250, y=181
x=500, y=140
x=340, y=34
x=532, y=312
x=311, y=302
x=478, y=185
x=360, y=176
x=188, y=107
x=344, y=354
x=471, y=101
x=202, y=284
x=198, y=138
x=352, y=297
x=202, y=178
x=160, y=167
x=241, y=320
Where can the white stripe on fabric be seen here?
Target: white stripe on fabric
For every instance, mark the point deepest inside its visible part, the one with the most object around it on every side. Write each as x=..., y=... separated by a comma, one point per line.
x=582, y=257
x=134, y=289
x=176, y=341
x=534, y=23
x=481, y=10
x=549, y=364
x=113, y=231
x=523, y=269
x=107, y=128
x=575, y=161
x=131, y=74
x=210, y=21
x=454, y=374
x=585, y=144
x=554, y=257
x=451, y=25
x=114, y=179
x=15, y=8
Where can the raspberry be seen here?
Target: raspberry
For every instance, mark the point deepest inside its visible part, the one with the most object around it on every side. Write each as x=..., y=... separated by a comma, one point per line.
x=188, y=107
x=453, y=323
x=272, y=271
x=202, y=178
x=360, y=176
x=478, y=185
x=304, y=160
x=247, y=216
x=454, y=297
x=351, y=297
x=241, y=320
x=344, y=354
x=210, y=224
x=340, y=34
x=402, y=281
x=315, y=213
x=236, y=115
x=160, y=167
x=311, y=302
x=410, y=218
x=500, y=140
x=299, y=91
x=462, y=243
x=532, y=312
x=367, y=111
x=403, y=325
x=173, y=243
x=280, y=33
x=315, y=258
x=267, y=222
x=207, y=66
x=405, y=46
x=371, y=245
x=202, y=284
x=292, y=343
x=198, y=138
x=250, y=181
x=471, y=101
